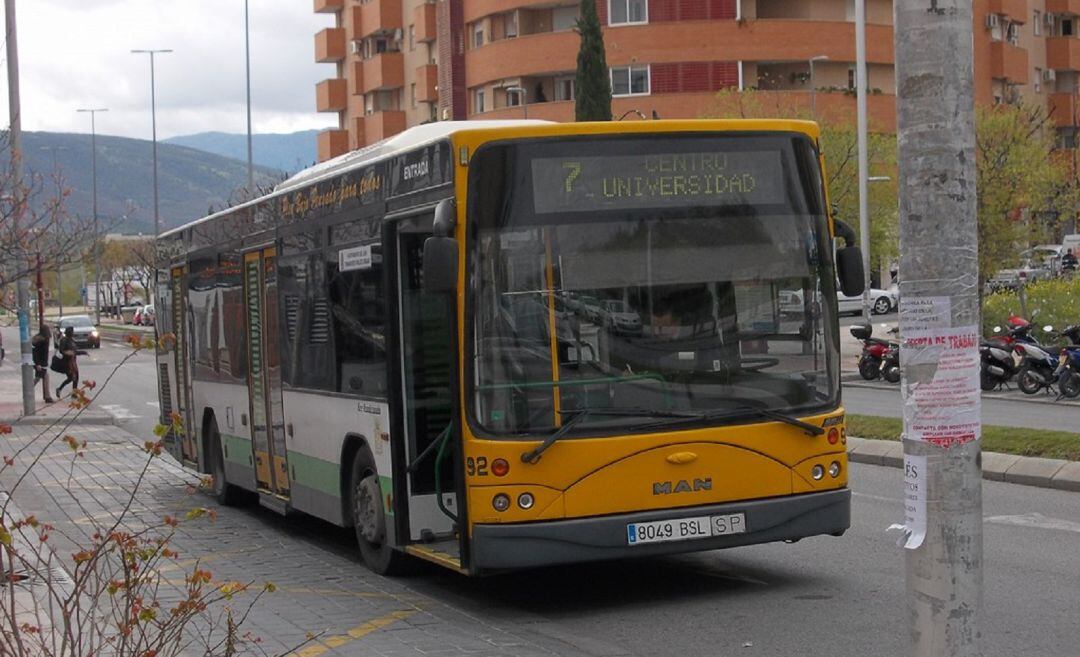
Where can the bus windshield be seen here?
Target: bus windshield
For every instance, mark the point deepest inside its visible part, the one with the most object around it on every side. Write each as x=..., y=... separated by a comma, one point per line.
x=667, y=276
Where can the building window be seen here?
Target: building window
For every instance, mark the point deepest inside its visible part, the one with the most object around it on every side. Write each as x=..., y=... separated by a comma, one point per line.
x=513, y=98
x=851, y=78
x=412, y=95
x=510, y=25
x=564, y=88
x=478, y=101
x=630, y=80
x=1037, y=23
x=624, y=12
x=1038, y=80
x=412, y=38
x=1012, y=33
x=478, y=35
x=1066, y=27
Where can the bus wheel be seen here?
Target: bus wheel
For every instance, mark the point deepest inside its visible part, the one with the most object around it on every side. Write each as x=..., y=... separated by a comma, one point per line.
x=224, y=492
x=369, y=518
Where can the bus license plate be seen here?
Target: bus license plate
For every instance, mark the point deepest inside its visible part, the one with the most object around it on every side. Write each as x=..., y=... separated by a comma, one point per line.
x=683, y=529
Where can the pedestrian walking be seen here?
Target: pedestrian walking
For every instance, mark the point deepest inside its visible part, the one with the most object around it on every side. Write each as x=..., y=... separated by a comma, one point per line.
x=66, y=347
x=40, y=345
x=1068, y=261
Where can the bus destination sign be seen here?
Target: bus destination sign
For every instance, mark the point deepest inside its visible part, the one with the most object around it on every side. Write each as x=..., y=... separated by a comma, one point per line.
x=659, y=180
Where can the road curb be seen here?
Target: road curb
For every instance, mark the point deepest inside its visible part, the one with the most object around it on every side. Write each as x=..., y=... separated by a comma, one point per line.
x=43, y=420
x=1041, y=398
x=1035, y=471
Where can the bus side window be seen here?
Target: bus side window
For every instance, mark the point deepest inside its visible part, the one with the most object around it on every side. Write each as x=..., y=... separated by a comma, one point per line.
x=304, y=321
x=357, y=306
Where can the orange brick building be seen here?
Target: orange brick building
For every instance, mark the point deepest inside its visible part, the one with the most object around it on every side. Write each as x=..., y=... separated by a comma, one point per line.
x=404, y=62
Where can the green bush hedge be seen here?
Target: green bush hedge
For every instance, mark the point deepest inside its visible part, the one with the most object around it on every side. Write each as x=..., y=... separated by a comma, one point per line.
x=1058, y=303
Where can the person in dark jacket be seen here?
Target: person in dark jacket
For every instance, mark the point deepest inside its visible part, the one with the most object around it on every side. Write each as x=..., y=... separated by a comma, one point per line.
x=1068, y=261
x=68, y=353
x=40, y=345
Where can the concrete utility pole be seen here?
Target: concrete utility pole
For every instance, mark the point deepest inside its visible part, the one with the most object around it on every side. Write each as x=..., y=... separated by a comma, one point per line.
x=247, y=64
x=861, y=84
x=22, y=285
x=939, y=321
x=153, y=129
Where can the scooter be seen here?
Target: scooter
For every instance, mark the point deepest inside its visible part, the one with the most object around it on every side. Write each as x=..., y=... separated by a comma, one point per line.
x=997, y=365
x=1038, y=364
x=1067, y=373
x=890, y=364
x=874, y=354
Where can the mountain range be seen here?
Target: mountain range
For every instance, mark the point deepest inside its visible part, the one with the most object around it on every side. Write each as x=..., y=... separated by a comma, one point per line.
x=288, y=152
x=191, y=182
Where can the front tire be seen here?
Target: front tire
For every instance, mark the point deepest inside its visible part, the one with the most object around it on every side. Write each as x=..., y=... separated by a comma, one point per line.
x=1026, y=381
x=892, y=374
x=369, y=518
x=869, y=368
x=987, y=381
x=881, y=306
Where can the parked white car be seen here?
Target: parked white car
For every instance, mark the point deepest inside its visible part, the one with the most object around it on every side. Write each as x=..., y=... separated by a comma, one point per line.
x=881, y=302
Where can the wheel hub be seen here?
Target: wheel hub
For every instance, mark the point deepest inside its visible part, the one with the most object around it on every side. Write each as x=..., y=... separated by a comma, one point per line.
x=368, y=510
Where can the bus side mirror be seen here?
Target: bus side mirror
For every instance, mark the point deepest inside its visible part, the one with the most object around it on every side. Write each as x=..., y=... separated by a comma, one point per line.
x=849, y=269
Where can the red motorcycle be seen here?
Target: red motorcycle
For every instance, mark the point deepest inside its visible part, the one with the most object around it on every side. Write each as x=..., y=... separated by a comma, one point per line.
x=879, y=358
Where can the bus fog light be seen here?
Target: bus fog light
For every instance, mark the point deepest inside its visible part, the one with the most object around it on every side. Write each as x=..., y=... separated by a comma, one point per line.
x=501, y=502
x=817, y=472
x=526, y=500
x=834, y=469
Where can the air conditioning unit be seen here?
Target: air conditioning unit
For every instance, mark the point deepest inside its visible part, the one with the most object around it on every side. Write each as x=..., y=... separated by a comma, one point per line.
x=398, y=34
x=1049, y=75
x=991, y=21
x=356, y=47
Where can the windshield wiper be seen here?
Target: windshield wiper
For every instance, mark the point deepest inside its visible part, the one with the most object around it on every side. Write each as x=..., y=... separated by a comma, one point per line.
x=533, y=456
x=744, y=410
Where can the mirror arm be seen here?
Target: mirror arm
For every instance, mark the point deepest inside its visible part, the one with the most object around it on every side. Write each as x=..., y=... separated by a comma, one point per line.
x=846, y=232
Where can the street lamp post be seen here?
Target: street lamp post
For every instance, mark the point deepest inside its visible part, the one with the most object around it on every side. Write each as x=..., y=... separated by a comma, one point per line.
x=524, y=98
x=813, y=93
x=153, y=127
x=247, y=67
x=92, y=111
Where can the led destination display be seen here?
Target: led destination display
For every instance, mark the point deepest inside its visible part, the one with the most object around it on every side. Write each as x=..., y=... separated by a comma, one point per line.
x=660, y=180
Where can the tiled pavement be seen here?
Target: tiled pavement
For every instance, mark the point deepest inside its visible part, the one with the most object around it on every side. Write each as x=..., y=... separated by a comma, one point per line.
x=321, y=588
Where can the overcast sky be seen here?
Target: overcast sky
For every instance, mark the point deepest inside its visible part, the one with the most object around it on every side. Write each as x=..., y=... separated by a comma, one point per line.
x=76, y=53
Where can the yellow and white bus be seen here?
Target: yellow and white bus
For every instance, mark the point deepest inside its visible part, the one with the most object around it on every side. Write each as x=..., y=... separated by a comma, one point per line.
x=500, y=345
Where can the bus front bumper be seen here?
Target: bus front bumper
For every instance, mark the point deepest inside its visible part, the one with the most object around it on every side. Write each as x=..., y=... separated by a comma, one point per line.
x=528, y=545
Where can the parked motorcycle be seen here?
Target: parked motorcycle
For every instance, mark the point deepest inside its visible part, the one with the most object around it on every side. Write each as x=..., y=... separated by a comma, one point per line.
x=997, y=365
x=875, y=354
x=1067, y=373
x=1038, y=364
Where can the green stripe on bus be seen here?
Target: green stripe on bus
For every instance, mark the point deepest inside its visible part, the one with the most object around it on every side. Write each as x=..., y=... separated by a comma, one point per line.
x=237, y=449
x=321, y=475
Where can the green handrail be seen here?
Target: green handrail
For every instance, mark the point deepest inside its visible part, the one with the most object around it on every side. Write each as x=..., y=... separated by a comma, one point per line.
x=443, y=440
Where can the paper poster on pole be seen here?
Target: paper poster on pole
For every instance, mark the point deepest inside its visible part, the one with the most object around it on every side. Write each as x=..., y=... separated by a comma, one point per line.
x=940, y=374
x=914, y=502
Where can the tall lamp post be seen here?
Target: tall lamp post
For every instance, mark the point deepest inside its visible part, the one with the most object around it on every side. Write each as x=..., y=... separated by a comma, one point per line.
x=92, y=111
x=524, y=98
x=813, y=92
x=247, y=68
x=153, y=124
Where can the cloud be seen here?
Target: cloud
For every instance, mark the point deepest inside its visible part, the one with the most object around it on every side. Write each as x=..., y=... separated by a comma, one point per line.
x=76, y=53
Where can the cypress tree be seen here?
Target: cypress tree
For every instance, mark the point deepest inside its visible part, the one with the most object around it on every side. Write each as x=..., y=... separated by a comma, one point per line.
x=592, y=90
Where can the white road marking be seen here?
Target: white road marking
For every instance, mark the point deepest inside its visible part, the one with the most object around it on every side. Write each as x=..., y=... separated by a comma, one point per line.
x=119, y=412
x=153, y=403
x=1036, y=520
x=876, y=497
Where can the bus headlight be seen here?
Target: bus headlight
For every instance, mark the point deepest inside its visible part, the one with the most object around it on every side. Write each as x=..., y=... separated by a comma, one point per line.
x=817, y=472
x=526, y=500
x=501, y=502
x=834, y=469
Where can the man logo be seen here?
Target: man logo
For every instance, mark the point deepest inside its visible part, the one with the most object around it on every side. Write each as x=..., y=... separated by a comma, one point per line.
x=681, y=486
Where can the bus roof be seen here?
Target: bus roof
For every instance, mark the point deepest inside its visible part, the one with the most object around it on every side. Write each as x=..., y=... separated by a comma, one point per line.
x=432, y=132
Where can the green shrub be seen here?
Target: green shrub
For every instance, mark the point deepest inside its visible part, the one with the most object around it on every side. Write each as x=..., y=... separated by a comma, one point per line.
x=1058, y=303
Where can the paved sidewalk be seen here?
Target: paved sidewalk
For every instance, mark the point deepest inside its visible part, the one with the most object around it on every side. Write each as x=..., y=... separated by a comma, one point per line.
x=321, y=589
x=11, y=406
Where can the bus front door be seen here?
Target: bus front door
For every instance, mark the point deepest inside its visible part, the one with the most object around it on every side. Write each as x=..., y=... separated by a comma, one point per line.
x=426, y=324
x=186, y=430
x=264, y=373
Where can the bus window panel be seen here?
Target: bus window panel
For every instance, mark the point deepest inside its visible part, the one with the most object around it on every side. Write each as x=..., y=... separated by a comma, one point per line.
x=301, y=242
x=202, y=300
x=304, y=323
x=356, y=308
x=234, y=344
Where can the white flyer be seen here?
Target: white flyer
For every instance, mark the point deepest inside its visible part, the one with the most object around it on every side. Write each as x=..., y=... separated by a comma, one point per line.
x=914, y=502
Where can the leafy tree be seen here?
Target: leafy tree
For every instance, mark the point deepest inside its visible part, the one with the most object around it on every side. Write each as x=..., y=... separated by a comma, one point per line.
x=839, y=146
x=1023, y=183
x=592, y=91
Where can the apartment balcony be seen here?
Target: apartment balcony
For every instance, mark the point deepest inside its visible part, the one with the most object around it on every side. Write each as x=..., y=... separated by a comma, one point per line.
x=1063, y=6
x=1064, y=108
x=1016, y=10
x=424, y=22
x=427, y=80
x=384, y=71
x=380, y=16
x=380, y=125
x=332, y=143
x=331, y=95
x=329, y=6
x=1063, y=53
x=330, y=45
x=1008, y=62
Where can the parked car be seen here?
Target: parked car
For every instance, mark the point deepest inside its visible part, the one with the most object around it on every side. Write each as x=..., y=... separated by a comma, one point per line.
x=620, y=318
x=147, y=316
x=881, y=302
x=590, y=309
x=1044, y=256
x=1009, y=279
x=83, y=331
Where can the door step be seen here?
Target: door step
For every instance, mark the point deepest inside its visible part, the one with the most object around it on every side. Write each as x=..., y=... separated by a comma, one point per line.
x=274, y=503
x=446, y=553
